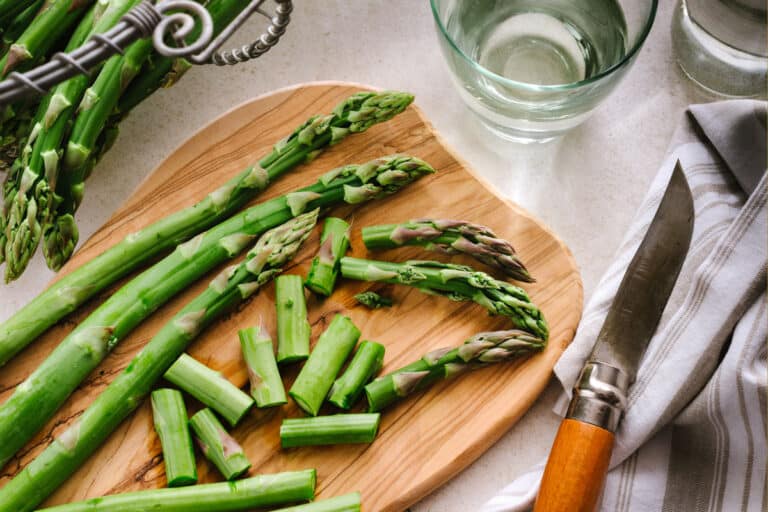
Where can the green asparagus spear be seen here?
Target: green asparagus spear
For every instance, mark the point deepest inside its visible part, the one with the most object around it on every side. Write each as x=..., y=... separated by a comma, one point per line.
x=60, y=231
x=34, y=202
x=42, y=393
x=210, y=387
x=230, y=288
x=20, y=21
x=345, y=503
x=373, y=300
x=316, y=377
x=51, y=24
x=293, y=329
x=450, y=237
x=334, y=243
x=457, y=282
x=10, y=9
x=364, y=367
x=172, y=426
x=218, y=446
x=323, y=430
x=68, y=293
x=266, y=385
x=258, y=491
x=478, y=351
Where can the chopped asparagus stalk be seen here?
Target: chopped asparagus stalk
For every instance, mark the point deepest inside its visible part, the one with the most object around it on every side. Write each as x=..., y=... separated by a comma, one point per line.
x=293, y=329
x=456, y=282
x=364, y=366
x=345, y=503
x=266, y=385
x=324, y=430
x=258, y=491
x=218, y=446
x=373, y=300
x=450, y=237
x=334, y=244
x=225, y=292
x=478, y=351
x=316, y=377
x=210, y=387
x=172, y=426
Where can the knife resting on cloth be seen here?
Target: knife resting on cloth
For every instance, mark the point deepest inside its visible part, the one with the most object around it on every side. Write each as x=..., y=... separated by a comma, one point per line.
x=578, y=463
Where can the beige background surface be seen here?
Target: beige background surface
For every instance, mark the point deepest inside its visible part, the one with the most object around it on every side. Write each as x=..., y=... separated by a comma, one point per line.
x=584, y=186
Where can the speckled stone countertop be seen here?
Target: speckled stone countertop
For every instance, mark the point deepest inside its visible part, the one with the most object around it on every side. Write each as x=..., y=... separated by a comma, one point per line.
x=585, y=186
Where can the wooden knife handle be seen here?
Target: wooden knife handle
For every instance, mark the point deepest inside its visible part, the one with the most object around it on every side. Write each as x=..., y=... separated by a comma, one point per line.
x=575, y=472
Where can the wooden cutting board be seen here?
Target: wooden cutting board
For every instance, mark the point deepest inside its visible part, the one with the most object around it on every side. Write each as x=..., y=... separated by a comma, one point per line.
x=425, y=440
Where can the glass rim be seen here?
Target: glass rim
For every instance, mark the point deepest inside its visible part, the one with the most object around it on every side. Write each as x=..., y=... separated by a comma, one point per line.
x=553, y=87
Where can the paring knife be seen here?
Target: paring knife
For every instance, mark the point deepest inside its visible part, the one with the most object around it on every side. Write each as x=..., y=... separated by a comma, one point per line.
x=575, y=472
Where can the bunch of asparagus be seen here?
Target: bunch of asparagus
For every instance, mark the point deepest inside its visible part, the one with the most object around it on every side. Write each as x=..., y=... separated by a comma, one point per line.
x=50, y=145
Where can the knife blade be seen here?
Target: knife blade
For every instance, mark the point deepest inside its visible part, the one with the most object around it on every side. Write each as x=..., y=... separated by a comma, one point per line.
x=575, y=471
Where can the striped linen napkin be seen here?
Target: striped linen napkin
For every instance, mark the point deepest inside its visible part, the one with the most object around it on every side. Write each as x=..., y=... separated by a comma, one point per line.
x=694, y=434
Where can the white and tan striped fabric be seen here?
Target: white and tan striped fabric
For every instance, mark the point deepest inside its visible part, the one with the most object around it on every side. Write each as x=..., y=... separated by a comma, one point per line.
x=694, y=434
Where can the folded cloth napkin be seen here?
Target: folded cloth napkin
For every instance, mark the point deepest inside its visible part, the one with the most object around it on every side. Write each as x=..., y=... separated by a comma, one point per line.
x=693, y=437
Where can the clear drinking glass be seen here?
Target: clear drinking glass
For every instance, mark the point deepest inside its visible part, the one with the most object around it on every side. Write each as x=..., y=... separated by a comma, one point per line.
x=722, y=45
x=533, y=69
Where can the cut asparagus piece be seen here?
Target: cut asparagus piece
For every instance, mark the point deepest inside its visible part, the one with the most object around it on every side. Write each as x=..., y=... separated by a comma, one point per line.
x=450, y=237
x=258, y=491
x=316, y=377
x=218, y=446
x=172, y=426
x=266, y=385
x=457, y=282
x=365, y=365
x=324, y=430
x=373, y=300
x=478, y=351
x=68, y=293
x=346, y=503
x=229, y=289
x=210, y=387
x=293, y=329
x=334, y=244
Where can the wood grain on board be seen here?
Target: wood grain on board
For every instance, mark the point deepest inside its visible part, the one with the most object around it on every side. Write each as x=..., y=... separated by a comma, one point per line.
x=423, y=441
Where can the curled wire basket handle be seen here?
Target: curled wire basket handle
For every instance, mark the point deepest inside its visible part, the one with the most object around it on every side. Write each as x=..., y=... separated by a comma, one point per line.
x=174, y=19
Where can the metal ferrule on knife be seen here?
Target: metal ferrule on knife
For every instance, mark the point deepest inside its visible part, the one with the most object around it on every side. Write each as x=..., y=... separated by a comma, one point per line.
x=599, y=396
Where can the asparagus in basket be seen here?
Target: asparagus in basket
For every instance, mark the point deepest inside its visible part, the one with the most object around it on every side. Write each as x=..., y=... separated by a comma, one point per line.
x=68, y=293
x=457, y=282
x=51, y=24
x=36, y=399
x=478, y=351
x=33, y=202
x=95, y=117
x=450, y=237
x=71, y=448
